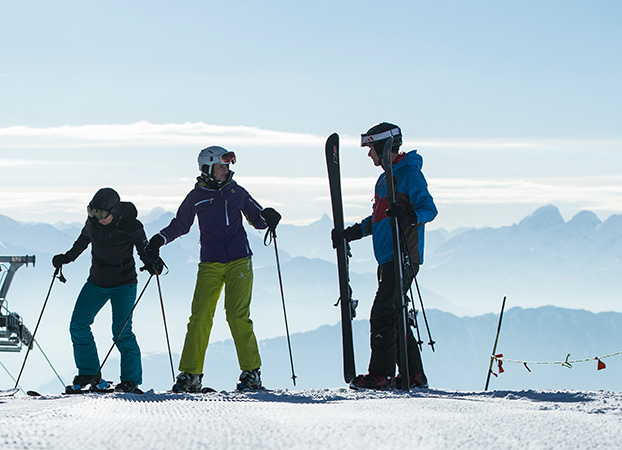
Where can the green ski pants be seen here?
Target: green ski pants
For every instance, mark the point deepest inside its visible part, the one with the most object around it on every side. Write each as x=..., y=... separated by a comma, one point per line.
x=237, y=278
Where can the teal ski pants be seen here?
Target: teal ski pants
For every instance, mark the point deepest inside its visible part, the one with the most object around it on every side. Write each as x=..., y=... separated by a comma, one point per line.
x=237, y=279
x=91, y=300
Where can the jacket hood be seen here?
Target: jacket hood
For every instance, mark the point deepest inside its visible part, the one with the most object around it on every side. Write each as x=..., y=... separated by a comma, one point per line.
x=411, y=158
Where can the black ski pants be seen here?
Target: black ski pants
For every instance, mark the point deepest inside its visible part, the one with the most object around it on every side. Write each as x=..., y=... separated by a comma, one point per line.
x=384, y=334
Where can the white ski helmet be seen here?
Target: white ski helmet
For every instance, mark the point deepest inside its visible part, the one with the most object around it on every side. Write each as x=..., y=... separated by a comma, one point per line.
x=214, y=155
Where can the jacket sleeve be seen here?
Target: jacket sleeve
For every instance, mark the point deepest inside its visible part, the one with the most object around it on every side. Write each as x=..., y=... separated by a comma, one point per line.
x=139, y=238
x=81, y=243
x=181, y=223
x=366, y=226
x=252, y=212
x=419, y=196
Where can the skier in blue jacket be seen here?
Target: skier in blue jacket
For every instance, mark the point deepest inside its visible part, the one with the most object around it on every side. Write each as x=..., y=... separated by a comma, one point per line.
x=219, y=203
x=415, y=207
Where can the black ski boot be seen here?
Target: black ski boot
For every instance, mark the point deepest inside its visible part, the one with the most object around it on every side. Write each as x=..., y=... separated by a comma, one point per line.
x=250, y=380
x=128, y=387
x=95, y=383
x=188, y=382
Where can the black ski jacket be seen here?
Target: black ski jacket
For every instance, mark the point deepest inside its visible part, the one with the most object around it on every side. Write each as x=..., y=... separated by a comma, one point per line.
x=112, y=247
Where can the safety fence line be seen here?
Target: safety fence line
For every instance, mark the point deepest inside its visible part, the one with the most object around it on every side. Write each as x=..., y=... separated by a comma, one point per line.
x=566, y=363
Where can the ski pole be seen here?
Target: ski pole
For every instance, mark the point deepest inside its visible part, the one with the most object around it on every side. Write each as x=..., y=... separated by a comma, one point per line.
x=494, y=347
x=278, y=269
x=168, y=344
x=62, y=279
x=415, y=322
x=124, y=324
x=425, y=318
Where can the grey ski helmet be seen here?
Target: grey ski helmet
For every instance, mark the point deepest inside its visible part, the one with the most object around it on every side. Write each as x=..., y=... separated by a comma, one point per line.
x=214, y=155
x=378, y=134
x=106, y=201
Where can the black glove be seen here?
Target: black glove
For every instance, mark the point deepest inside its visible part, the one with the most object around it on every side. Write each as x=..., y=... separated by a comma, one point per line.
x=403, y=216
x=59, y=260
x=154, y=268
x=152, y=249
x=352, y=233
x=271, y=217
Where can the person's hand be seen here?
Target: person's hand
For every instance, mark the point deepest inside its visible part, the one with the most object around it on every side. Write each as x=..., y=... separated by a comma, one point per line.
x=154, y=268
x=272, y=218
x=352, y=233
x=403, y=216
x=152, y=249
x=59, y=260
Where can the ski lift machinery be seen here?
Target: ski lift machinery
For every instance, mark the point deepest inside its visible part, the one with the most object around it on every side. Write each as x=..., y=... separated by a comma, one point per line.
x=13, y=333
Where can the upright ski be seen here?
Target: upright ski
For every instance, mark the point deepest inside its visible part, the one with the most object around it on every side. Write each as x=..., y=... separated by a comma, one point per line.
x=345, y=291
x=402, y=303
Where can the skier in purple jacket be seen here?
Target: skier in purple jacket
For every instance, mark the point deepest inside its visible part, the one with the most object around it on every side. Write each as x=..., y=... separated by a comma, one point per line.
x=219, y=203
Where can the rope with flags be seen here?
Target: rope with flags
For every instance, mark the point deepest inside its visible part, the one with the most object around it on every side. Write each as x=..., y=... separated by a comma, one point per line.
x=566, y=363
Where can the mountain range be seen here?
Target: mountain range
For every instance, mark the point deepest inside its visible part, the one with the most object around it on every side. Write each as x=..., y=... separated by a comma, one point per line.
x=547, y=268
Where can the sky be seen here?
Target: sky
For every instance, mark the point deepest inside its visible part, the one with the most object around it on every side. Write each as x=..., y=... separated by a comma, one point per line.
x=513, y=105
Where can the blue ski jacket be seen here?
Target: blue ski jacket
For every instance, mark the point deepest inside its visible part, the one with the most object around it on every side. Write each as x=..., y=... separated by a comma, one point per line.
x=223, y=238
x=412, y=195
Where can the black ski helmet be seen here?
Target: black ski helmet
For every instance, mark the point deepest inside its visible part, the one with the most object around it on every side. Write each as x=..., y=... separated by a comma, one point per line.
x=378, y=134
x=105, y=202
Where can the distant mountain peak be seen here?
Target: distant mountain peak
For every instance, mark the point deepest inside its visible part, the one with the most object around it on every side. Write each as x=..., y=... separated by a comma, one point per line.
x=585, y=220
x=545, y=217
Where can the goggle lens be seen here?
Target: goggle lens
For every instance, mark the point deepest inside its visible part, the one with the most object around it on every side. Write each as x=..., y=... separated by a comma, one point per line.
x=99, y=214
x=228, y=158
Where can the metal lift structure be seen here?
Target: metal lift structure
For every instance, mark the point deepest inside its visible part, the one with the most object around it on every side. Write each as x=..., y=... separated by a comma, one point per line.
x=13, y=332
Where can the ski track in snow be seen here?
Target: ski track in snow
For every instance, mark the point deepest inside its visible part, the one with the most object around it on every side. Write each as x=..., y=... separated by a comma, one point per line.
x=320, y=418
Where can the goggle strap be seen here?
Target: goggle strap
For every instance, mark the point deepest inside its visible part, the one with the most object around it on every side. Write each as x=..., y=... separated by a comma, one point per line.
x=368, y=139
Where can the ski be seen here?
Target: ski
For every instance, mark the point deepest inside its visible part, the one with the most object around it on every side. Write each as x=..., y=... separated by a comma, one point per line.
x=402, y=304
x=348, y=306
x=9, y=392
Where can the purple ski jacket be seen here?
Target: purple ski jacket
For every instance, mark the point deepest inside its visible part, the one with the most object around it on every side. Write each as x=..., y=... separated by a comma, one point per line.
x=223, y=238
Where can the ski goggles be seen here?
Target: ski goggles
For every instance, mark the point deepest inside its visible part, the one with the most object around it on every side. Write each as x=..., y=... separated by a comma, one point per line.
x=367, y=140
x=98, y=214
x=227, y=158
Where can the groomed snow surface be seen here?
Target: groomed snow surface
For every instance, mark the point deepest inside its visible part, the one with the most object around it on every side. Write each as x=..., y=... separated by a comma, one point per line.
x=315, y=419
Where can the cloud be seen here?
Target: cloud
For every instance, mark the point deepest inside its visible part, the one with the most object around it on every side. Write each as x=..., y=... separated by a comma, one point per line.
x=145, y=133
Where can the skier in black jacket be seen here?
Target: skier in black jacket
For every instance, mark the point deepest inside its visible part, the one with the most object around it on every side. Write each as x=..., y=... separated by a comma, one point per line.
x=113, y=231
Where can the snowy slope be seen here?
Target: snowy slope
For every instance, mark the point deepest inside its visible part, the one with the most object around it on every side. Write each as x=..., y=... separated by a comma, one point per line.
x=326, y=419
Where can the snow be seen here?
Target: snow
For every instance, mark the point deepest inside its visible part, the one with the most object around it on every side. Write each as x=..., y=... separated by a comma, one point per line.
x=336, y=418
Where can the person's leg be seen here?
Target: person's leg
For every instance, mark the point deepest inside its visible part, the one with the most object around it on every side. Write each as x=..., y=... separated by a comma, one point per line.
x=122, y=299
x=90, y=301
x=383, y=325
x=210, y=280
x=238, y=293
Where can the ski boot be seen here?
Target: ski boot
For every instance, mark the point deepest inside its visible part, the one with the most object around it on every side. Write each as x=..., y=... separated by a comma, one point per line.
x=188, y=382
x=250, y=380
x=418, y=381
x=95, y=383
x=370, y=381
x=128, y=387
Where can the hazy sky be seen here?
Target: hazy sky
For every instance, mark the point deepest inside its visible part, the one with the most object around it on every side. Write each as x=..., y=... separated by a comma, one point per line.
x=513, y=105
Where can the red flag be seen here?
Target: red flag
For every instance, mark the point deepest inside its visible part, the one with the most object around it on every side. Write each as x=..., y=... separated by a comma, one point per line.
x=601, y=365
